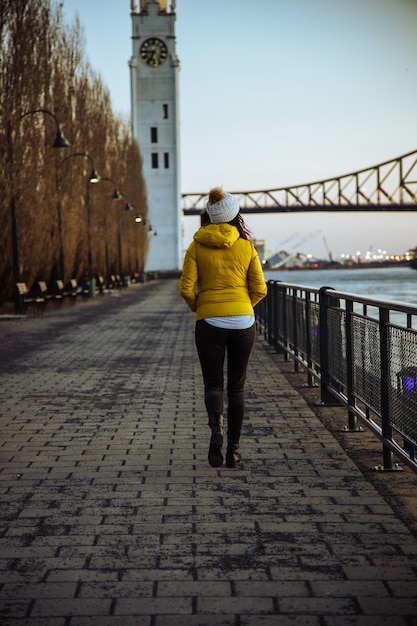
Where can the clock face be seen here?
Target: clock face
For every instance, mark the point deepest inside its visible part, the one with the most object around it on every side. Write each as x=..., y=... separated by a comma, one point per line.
x=153, y=52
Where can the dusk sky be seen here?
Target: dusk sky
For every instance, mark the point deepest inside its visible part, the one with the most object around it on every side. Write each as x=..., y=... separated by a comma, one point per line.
x=275, y=93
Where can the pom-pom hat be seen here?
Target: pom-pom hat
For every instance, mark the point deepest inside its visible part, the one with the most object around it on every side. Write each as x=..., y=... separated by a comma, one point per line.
x=221, y=206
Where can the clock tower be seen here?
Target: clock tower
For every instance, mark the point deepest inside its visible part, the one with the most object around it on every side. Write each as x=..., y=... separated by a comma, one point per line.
x=154, y=69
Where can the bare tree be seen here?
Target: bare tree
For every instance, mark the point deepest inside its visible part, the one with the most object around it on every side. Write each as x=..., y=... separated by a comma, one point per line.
x=59, y=215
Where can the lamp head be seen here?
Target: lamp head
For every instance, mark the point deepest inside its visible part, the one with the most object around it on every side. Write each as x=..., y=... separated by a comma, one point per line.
x=94, y=177
x=60, y=141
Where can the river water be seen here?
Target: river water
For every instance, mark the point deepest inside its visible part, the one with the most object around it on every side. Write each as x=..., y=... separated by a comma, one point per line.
x=395, y=284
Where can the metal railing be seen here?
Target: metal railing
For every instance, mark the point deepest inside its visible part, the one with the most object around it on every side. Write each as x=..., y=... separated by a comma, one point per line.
x=362, y=351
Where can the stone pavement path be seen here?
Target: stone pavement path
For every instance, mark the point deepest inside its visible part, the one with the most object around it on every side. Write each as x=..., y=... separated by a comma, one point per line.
x=111, y=515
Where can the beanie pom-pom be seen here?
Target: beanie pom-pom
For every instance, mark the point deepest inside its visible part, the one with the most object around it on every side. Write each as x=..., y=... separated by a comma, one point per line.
x=216, y=195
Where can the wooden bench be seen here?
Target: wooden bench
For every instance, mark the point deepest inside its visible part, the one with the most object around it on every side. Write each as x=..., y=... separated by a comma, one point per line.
x=100, y=284
x=72, y=290
x=27, y=299
x=59, y=292
x=138, y=277
x=47, y=294
x=84, y=289
x=115, y=282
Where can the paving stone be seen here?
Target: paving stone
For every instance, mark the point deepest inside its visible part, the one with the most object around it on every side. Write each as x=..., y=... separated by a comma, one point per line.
x=111, y=515
x=111, y=620
x=76, y=606
x=154, y=606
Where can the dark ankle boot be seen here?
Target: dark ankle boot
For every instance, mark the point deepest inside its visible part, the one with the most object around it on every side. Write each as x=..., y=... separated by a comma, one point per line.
x=215, y=456
x=232, y=457
x=233, y=437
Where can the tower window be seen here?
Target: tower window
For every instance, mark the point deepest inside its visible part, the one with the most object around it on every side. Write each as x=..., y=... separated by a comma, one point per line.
x=165, y=111
x=166, y=160
x=154, y=134
x=154, y=157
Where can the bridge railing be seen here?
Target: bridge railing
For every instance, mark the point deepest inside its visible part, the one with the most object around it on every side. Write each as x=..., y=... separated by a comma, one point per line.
x=362, y=351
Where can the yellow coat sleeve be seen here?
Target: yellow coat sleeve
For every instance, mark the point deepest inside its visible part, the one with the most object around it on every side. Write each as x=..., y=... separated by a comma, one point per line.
x=189, y=278
x=256, y=281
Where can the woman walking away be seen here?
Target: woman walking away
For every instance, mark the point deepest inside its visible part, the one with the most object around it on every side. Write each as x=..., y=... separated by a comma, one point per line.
x=221, y=282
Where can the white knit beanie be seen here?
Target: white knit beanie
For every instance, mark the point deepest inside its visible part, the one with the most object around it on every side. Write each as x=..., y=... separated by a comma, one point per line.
x=223, y=210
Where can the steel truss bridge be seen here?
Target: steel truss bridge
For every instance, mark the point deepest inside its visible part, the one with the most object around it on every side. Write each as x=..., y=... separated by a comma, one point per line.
x=388, y=186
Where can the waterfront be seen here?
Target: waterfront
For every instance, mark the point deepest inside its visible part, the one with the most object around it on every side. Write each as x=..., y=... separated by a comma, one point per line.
x=395, y=284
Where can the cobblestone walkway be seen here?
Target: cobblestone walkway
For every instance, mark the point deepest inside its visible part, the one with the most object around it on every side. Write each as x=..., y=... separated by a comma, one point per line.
x=111, y=515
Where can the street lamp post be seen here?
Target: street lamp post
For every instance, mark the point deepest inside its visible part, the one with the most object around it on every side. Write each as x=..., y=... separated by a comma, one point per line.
x=59, y=142
x=93, y=178
x=117, y=195
x=127, y=207
x=130, y=207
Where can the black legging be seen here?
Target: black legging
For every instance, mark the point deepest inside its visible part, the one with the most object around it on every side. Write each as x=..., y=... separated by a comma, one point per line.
x=212, y=344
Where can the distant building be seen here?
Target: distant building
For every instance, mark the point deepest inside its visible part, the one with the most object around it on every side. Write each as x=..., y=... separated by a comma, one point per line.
x=260, y=246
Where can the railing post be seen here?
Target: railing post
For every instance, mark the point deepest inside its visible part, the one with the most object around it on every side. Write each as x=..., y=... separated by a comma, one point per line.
x=263, y=307
x=326, y=398
x=261, y=315
x=352, y=418
x=295, y=330
x=269, y=312
x=284, y=325
x=276, y=317
x=386, y=430
x=267, y=306
x=309, y=357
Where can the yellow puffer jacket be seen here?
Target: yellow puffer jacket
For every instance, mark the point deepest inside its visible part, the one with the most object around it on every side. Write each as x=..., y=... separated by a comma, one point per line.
x=222, y=274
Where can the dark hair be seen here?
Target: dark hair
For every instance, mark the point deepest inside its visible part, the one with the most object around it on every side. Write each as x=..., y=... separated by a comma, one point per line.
x=205, y=219
x=244, y=231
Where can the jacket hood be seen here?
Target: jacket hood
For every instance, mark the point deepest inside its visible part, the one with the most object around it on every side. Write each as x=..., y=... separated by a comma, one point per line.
x=217, y=235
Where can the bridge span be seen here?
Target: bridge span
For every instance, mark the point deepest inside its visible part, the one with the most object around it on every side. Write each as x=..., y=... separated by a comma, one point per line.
x=389, y=186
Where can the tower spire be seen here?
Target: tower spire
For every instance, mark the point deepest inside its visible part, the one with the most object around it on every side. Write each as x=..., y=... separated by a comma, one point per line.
x=144, y=3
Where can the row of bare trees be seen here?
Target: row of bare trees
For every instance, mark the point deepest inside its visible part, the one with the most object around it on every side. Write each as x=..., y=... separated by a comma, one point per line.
x=59, y=215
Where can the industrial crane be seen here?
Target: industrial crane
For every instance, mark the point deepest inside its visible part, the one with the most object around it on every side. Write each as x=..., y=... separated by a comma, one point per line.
x=329, y=254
